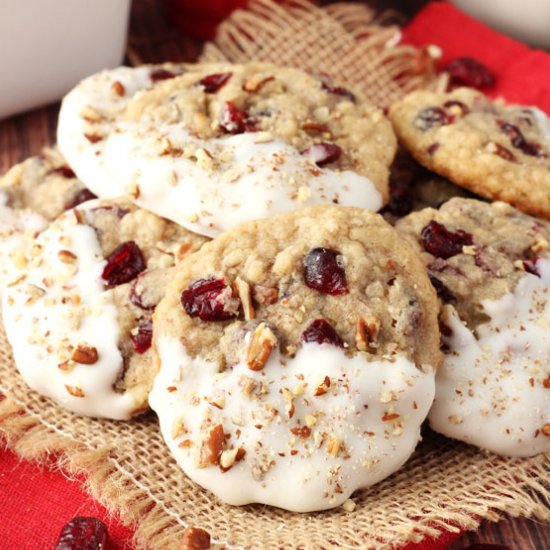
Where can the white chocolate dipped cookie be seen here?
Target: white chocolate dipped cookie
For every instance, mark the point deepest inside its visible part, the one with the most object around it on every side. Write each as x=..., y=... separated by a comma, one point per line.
x=223, y=144
x=78, y=316
x=32, y=193
x=491, y=267
x=296, y=352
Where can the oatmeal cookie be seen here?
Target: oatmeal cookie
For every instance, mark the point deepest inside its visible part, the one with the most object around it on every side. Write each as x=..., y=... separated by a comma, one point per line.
x=490, y=265
x=498, y=151
x=78, y=316
x=413, y=187
x=32, y=194
x=222, y=144
x=297, y=351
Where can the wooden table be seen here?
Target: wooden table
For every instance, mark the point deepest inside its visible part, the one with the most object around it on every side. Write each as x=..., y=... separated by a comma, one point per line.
x=24, y=135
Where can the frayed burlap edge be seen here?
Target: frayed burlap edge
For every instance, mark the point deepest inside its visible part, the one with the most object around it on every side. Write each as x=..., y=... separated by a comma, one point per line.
x=346, y=41
x=104, y=480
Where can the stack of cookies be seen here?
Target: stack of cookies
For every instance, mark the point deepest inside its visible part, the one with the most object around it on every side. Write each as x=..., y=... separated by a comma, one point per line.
x=205, y=243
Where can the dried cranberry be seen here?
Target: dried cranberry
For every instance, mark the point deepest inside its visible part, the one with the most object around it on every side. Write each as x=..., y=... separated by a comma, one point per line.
x=81, y=196
x=213, y=82
x=64, y=171
x=210, y=300
x=518, y=139
x=441, y=242
x=467, y=71
x=235, y=121
x=433, y=148
x=530, y=266
x=324, y=272
x=338, y=90
x=124, y=263
x=141, y=341
x=431, y=117
x=161, y=74
x=442, y=290
x=83, y=533
x=323, y=153
x=321, y=332
x=502, y=152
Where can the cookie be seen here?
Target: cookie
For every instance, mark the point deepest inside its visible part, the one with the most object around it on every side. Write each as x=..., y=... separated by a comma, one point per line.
x=32, y=194
x=498, y=151
x=413, y=187
x=490, y=264
x=224, y=144
x=296, y=352
x=79, y=315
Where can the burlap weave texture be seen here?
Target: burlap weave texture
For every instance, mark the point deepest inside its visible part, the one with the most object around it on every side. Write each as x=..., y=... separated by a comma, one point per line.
x=445, y=485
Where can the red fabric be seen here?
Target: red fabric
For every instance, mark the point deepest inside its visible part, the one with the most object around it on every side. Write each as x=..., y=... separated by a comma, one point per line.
x=36, y=502
x=522, y=74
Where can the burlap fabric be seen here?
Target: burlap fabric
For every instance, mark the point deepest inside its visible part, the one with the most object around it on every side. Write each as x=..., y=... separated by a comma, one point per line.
x=445, y=485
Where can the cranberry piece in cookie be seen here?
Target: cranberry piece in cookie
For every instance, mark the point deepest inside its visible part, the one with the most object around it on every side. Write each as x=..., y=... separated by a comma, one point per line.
x=124, y=264
x=81, y=196
x=432, y=117
x=441, y=242
x=323, y=153
x=141, y=340
x=210, y=300
x=321, y=332
x=234, y=120
x=214, y=82
x=324, y=271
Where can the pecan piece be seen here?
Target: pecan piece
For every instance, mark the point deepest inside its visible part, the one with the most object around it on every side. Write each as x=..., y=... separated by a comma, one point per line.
x=84, y=354
x=366, y=334
x=211, y=447
x=261, y=345
x=243, y=291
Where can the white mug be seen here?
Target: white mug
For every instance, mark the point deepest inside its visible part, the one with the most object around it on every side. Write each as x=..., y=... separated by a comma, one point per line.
x=526, y=20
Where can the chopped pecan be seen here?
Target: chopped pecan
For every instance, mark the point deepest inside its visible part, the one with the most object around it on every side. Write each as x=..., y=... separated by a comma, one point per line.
x=265, y=295
x=261, y=344
x=75, y=391
x=66, y=256
x=84, y=354
x=243, y=291
x=301, y=431
x=322, y=388
x=254, y=84
x=211, y=447
x=118, y=88
x=366, y=334
x=230, y=457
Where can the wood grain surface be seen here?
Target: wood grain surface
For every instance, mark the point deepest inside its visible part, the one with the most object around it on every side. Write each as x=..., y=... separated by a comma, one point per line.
x=153, y=39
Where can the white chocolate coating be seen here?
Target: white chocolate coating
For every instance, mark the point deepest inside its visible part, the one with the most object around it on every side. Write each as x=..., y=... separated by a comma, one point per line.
x=214, y=184
x=18, y=228
x=360, y=431
x=493, y=390
x=62, y=303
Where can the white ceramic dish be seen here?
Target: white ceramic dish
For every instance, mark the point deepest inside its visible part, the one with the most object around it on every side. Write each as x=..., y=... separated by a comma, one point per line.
x=526, y=20
x=47, y=46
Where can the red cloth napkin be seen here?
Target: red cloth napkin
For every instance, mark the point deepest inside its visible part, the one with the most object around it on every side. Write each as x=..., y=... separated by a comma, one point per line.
x=522, y=74
x=36, y=502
